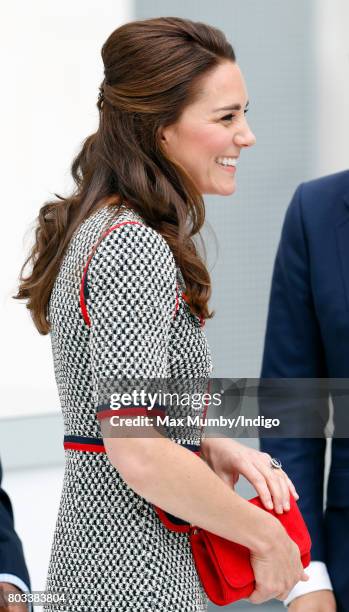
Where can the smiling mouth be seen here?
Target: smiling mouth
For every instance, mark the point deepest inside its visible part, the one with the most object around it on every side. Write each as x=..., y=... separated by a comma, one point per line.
x=230, y=162
x=227, y=168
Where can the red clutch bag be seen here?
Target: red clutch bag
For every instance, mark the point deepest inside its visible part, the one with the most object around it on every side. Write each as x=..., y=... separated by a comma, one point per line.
x=224, y=567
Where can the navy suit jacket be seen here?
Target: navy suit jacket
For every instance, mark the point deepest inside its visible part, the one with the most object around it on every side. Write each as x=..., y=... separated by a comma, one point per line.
x=307, y=336
x=11, y=552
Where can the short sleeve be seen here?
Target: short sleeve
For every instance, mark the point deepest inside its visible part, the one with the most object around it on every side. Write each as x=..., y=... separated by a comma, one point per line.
x=131, y=304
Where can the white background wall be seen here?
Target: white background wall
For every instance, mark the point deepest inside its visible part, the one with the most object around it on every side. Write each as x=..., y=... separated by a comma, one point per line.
x=332, y=49
x=50, y=70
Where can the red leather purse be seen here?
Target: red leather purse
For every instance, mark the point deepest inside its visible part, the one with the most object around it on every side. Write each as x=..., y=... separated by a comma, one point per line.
x=224, y=567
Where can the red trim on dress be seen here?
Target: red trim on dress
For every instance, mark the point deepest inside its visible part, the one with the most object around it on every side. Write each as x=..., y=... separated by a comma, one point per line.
x=92, y=448
x=177, y=302
x=82, y=295
x=137, y=411
x=201, y=318
x=83, y=307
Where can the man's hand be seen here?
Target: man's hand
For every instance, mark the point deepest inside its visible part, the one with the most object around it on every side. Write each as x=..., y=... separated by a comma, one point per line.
x=5, y=589
x=317, y=601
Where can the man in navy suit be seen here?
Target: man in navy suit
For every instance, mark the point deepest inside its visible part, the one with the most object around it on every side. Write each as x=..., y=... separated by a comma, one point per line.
x=13, y=571
x=307, y=336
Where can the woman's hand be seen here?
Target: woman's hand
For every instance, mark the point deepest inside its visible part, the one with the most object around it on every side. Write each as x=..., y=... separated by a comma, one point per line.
x=276, y=570
x=228, y=459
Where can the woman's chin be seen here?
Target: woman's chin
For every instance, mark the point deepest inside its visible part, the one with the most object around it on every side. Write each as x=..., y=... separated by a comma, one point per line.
x=223, y=190
x=227, y=190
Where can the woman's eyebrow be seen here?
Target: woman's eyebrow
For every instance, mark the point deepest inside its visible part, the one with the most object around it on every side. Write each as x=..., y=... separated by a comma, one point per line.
x=231, y=107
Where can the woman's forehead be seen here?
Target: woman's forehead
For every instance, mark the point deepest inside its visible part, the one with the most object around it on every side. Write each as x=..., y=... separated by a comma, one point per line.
x=223, y=88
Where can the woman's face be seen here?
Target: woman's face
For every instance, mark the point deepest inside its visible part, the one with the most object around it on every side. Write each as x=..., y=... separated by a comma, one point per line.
x=212, y=131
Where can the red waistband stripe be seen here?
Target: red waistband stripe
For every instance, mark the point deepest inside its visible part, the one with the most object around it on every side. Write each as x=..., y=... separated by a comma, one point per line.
x=84, y=444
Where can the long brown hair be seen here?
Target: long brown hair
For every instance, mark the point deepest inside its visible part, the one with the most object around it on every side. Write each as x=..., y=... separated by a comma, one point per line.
x=152, y=72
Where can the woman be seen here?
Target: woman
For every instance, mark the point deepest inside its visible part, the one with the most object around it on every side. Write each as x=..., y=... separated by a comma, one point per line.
x=172, y=125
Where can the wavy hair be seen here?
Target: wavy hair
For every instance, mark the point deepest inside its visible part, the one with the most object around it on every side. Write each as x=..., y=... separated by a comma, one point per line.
x=153, y=70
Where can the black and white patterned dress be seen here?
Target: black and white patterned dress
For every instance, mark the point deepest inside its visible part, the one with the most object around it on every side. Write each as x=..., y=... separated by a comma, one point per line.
x=110, y=551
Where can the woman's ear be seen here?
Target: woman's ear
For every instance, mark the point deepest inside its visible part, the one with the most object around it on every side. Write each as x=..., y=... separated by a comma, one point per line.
x=162, y=139
x=163, y=136
x=167, y=140
x=167, y=135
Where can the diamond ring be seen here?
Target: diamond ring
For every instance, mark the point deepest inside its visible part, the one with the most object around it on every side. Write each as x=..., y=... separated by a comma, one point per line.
x=275, y=463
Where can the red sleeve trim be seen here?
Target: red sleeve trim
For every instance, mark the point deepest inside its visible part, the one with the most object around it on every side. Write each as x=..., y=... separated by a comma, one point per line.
x=140, y=411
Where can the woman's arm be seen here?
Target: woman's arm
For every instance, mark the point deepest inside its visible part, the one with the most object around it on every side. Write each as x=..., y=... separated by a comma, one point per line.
x=173, y=478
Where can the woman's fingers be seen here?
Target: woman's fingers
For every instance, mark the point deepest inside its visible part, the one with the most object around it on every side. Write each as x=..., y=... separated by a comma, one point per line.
x=292, y=488
x=279, y=483
x=279, y=490
x=275, y=487
x=258, y=481
x=272, y=485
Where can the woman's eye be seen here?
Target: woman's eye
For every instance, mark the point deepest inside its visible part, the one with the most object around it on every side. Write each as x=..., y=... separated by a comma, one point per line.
x=228, y=117
x=231, y=116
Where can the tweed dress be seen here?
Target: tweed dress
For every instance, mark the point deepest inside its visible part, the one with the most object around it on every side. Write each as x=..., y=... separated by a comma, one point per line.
x=110, y=550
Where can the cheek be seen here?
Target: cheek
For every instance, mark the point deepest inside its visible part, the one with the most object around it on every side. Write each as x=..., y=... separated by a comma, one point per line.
x=208, y=141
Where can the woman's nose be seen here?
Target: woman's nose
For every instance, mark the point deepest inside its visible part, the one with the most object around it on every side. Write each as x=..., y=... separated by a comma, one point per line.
x=245, y=137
